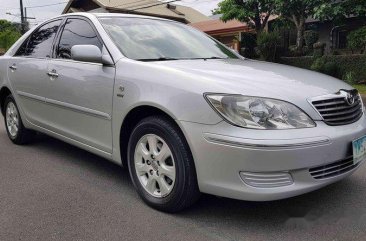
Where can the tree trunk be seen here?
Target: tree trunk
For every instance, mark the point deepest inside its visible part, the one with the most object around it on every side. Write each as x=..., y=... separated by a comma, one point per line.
x=300, y=35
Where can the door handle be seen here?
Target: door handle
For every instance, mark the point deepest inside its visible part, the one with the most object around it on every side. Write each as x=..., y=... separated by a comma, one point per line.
x=13, y=67
x=53, y=73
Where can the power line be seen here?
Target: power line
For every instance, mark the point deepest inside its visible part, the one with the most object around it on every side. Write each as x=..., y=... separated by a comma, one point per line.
x=47, y=5
x=37, y=6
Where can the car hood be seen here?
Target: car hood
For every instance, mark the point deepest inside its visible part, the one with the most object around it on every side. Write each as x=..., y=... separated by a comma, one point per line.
x=257, y=78
x=254, y=78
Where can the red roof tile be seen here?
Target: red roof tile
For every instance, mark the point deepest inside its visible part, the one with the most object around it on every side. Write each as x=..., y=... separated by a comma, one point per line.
x=218, y=26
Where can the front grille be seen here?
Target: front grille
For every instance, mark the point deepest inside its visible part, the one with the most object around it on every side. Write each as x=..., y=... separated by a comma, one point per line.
x=333, y=169
x=267, y=180
x=336, y=110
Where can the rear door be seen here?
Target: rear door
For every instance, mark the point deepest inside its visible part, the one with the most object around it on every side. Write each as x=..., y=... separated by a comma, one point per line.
x=80, y=94
x=28, y=71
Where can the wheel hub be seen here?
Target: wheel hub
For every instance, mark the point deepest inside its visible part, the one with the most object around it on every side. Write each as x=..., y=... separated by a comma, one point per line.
x=154, y=165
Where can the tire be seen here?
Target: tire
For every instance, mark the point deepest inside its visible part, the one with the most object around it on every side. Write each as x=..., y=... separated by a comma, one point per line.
x=21, y=135
x=175, y=186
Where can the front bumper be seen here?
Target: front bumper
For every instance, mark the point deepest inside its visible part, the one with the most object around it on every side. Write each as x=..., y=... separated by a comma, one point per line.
x=223, y=153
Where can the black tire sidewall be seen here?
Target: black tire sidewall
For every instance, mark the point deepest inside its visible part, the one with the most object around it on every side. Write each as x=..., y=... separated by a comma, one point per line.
x=151, y=127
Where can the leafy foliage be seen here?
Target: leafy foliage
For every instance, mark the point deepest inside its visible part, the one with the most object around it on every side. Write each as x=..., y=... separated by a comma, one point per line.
x=267, y=45
x=249, y=11
x=311, y=37
x=357, y=40
x=9, y=34
x=325, y=66
x=349, y=77
x=346, y=64
x=339, y=10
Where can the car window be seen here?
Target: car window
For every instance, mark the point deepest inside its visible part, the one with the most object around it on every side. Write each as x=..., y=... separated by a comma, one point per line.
x=21, y=51
x=148, y=39
x=76, y=32
x=40, y=42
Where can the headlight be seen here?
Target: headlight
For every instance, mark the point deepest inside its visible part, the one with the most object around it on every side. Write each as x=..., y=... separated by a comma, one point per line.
x=259, y=113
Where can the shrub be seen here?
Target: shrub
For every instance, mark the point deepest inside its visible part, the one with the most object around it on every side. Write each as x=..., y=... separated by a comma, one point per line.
x=350, y=77
x=267, y=45
x=311, y=37
x=330, y=68
x=356, y=40
x=319, y=49
x=348, y=66
x=293, y=51
x=325, y=66
x=318, y=64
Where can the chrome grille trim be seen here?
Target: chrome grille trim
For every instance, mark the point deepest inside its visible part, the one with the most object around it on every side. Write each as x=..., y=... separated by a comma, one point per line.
x=267, y=180
x=335, y=109
x=333, y=169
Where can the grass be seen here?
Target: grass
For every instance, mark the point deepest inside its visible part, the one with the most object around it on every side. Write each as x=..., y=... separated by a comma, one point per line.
x=361, y=88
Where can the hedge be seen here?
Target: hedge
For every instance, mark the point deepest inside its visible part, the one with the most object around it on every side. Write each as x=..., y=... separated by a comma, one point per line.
x=346, y=64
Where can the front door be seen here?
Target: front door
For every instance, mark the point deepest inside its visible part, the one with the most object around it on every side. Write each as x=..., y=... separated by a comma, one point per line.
x=80, y=94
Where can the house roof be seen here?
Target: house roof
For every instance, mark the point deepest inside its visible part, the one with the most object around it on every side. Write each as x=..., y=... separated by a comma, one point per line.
x=217, y=26
x=146, y=7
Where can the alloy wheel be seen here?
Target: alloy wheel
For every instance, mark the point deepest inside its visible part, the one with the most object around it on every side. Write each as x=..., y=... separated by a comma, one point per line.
x=12, y=119
x=155, y=166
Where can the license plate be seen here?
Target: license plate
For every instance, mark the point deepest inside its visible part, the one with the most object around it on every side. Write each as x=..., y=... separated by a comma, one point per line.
x=359, y=150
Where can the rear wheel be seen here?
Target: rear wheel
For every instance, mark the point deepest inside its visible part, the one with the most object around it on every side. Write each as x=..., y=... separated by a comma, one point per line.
x=17, y=133
x=161, y=166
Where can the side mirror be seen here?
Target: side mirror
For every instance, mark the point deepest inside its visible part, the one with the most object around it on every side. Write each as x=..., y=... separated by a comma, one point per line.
x=86, y=53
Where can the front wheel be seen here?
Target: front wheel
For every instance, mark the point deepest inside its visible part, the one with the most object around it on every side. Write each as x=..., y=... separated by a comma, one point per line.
x=17, y=133
x=161, y=165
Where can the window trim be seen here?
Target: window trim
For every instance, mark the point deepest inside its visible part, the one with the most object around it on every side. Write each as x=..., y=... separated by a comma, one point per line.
x=26, y=41
x=61, y=30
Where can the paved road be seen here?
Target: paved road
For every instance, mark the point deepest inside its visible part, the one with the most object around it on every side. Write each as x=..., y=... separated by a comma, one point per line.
x=53, y=191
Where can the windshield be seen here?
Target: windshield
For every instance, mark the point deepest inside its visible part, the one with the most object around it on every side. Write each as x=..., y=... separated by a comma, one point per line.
x=149, y=39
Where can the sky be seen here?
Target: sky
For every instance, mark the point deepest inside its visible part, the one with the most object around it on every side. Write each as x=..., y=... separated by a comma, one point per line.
x=43, y=13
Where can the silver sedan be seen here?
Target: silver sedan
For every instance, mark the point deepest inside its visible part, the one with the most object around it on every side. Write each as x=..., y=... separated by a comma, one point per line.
x=183, y=112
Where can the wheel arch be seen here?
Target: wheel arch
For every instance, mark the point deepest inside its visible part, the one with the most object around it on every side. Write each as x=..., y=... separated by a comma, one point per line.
x=133, y=117
x=4, y=92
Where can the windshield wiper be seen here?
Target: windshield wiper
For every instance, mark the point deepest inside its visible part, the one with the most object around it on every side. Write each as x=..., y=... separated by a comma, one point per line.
x=157, y=59
x=214, y=57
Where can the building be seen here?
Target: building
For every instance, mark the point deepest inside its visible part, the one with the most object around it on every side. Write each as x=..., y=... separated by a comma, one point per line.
x=335, y=35
x=229, y=33
x=143, y=7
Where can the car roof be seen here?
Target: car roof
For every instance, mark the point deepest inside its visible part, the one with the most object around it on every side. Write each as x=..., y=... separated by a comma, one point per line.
x=124, y=15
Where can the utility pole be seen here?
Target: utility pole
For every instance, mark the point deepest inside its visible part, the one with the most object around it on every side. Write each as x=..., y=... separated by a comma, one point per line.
x=22, y=22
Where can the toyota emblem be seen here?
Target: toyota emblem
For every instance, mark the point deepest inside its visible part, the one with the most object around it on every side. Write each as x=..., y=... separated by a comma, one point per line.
x=348, y=96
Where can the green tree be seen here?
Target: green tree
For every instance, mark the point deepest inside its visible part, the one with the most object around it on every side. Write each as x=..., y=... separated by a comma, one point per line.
x=339, y=10
x=254, y=12
x=298, y=11
x=8, y=38
x=9, y=34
